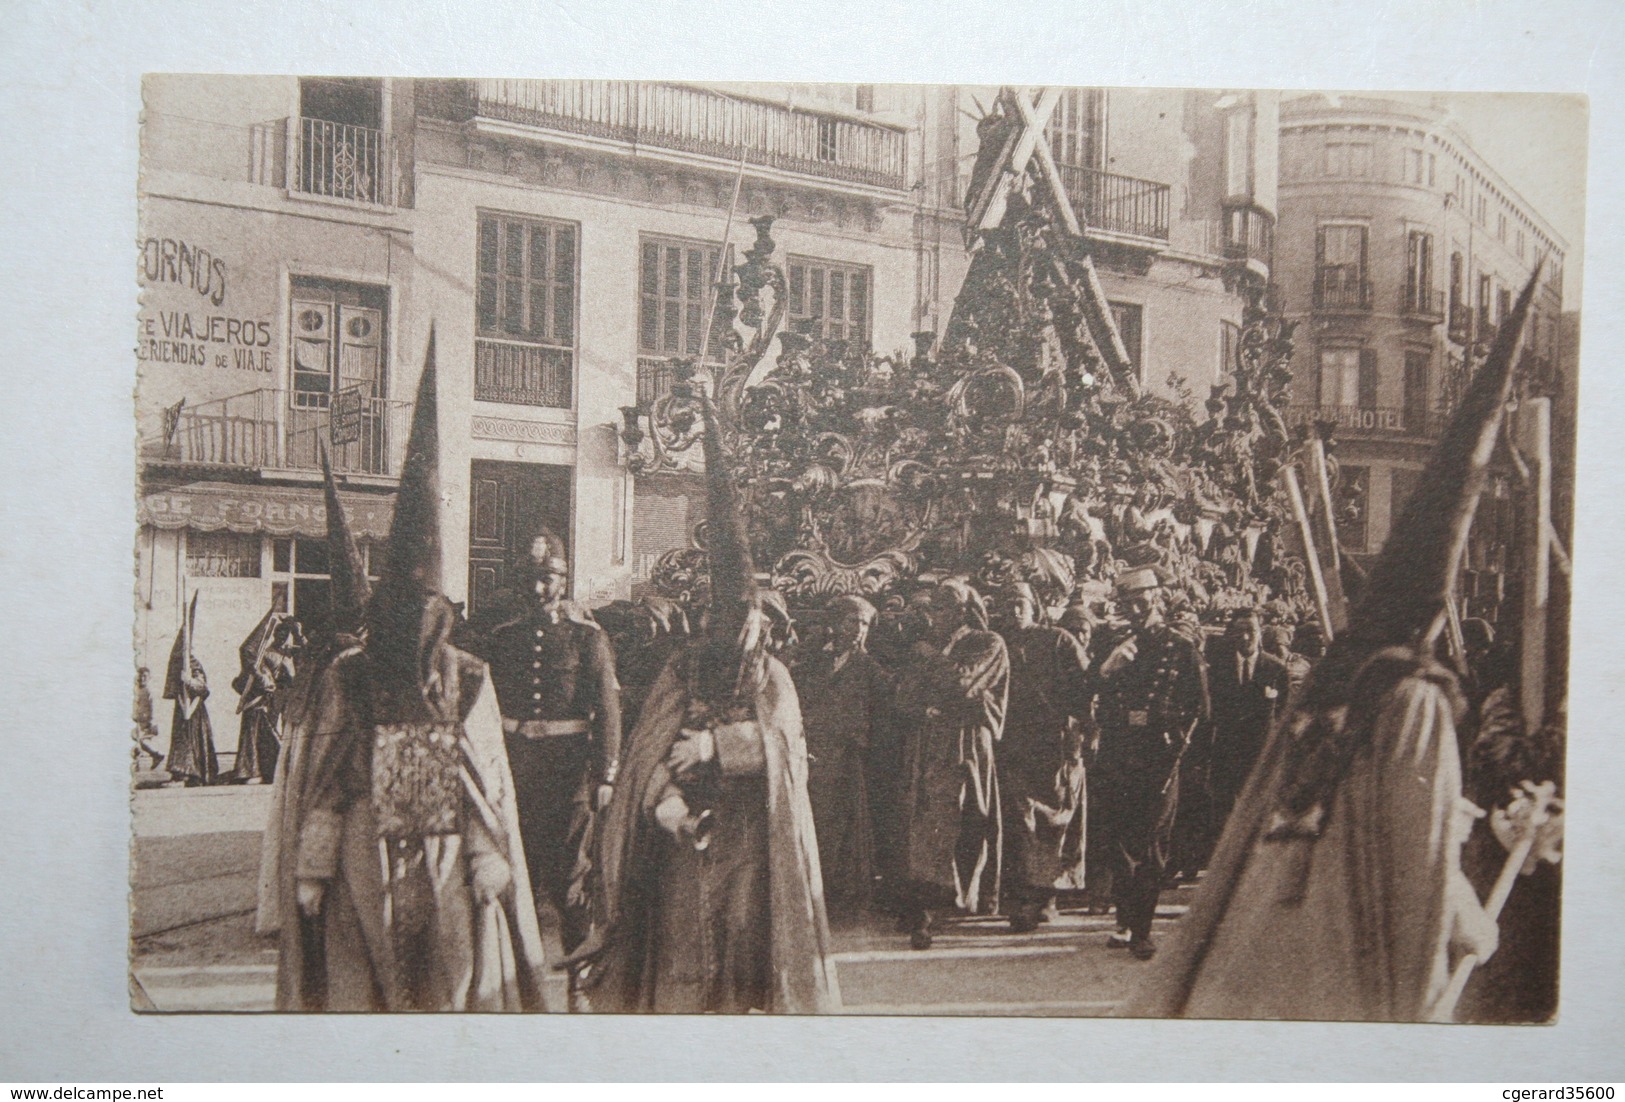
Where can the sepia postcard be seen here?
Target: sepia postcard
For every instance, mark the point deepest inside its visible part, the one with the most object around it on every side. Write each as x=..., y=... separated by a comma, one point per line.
x=612, y=546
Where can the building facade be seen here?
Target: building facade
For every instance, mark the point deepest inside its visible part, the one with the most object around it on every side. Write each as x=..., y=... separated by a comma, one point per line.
x=300, y=239
x=1399, y=249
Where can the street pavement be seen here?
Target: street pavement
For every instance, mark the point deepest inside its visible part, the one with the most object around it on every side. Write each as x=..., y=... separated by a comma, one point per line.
x=194, y=883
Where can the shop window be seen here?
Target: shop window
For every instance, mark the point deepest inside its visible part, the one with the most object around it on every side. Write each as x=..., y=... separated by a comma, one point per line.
x=525, y=312
x=830, y=300
x=222, y=555
x=300, y=581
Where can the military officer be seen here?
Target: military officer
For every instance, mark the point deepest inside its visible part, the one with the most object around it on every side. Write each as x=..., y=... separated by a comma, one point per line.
x=554, y=672
x=1153, y=693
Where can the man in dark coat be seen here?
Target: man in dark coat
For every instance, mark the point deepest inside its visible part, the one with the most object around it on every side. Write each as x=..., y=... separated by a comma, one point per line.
x=851, y=697
x=1041, y=775
x=1248, y=688
x=1153, y=694
x=554, y=673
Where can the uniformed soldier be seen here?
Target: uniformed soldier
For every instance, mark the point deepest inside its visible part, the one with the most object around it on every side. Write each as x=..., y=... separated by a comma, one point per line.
x=1153, y=693
x=554, y=672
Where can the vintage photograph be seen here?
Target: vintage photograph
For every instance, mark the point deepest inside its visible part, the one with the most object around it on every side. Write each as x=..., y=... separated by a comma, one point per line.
x=658, y=547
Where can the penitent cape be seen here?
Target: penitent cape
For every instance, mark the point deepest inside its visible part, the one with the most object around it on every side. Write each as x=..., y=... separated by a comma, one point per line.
x=1335, y=887
x=803, y=970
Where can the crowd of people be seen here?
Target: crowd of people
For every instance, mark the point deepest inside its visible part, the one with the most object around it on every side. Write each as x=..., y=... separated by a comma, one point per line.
x=699, y=787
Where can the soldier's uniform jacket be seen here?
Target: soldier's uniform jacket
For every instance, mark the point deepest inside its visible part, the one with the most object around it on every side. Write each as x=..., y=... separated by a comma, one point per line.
x=1161, y=693
x=560, y=673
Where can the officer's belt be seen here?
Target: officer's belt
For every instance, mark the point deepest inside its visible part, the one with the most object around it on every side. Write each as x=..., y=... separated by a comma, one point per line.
x=546, y=728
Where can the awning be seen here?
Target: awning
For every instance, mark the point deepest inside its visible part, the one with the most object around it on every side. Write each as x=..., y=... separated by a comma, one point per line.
x=279, y=510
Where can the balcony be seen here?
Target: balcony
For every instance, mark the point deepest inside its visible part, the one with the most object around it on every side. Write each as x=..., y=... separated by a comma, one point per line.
x=1249, y=236
x=689, y=119
x=1422, y=304
x=264, y=430
x=336, y=161
x=1109, y=203
x=1342, y=290
x=523, y=374
x=654, y=380
x=1369, y=421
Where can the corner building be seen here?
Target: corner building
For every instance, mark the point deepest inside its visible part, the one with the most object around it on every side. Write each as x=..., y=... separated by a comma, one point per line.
x=1399, y=250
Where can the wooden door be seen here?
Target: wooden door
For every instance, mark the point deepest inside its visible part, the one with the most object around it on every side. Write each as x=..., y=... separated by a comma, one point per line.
x=509, y=504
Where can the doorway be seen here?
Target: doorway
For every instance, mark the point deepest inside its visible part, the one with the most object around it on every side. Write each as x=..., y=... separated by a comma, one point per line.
x=509, y=504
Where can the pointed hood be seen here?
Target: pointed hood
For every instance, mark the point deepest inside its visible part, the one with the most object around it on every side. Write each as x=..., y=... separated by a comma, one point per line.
x=734, y=648
x=350, y=589
x=1406, y=593
x=406, y=626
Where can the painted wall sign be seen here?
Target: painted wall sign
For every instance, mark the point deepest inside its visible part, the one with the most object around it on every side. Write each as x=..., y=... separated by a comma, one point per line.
x=178, y=336
x=166, y=260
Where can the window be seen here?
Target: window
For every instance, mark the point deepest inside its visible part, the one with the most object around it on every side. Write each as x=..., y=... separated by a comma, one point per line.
x=676, y=280
x=1336, y=162
x=1483, y=303
x=525, y=312
x=1503, y=304
x=1129, y=317
x=300, y=583
x=1238, y=154
x=1458, y=279
x=1348, y=377
x=1419, y=271
x=1417, y=370
x=342, y=150
x=1501, y=226
x=1433, y=170
x=863, y=97
x=831, y=299
x=337, y=344
x=1340, y=278
x=222, y=554
x=1415, y=166
x=1359, y=159
x=1076, y=129
x=1520, y=244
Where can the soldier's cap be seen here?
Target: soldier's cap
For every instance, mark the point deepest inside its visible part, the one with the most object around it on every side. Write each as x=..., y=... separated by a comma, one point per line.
x=1138, y=580
x=544, y=556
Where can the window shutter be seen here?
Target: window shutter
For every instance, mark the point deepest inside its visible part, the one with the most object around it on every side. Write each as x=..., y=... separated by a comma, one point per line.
x=1368, y=378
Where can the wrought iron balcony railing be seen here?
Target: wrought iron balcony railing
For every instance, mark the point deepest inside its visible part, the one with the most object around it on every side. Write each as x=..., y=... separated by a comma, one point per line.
x=690, y=119
x=1249, y=234
x=1117, y=204
x=1341, y=289
x=273, y=430
x=523, y=374
x=340, y=162
x=1363, y=421
x=1420, y=302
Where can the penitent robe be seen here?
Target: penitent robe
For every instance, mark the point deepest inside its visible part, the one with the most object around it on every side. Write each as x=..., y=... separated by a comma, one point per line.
x=1041, y=773
x=952, y=705
x=1352, y=925
x=739, y=926
x=421, y=941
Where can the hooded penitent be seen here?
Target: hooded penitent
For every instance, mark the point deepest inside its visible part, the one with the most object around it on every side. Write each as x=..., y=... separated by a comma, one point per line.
x=729, y=667
x=1336, y=887
x=303, y=755
x=650, y=956
x=415, y=798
